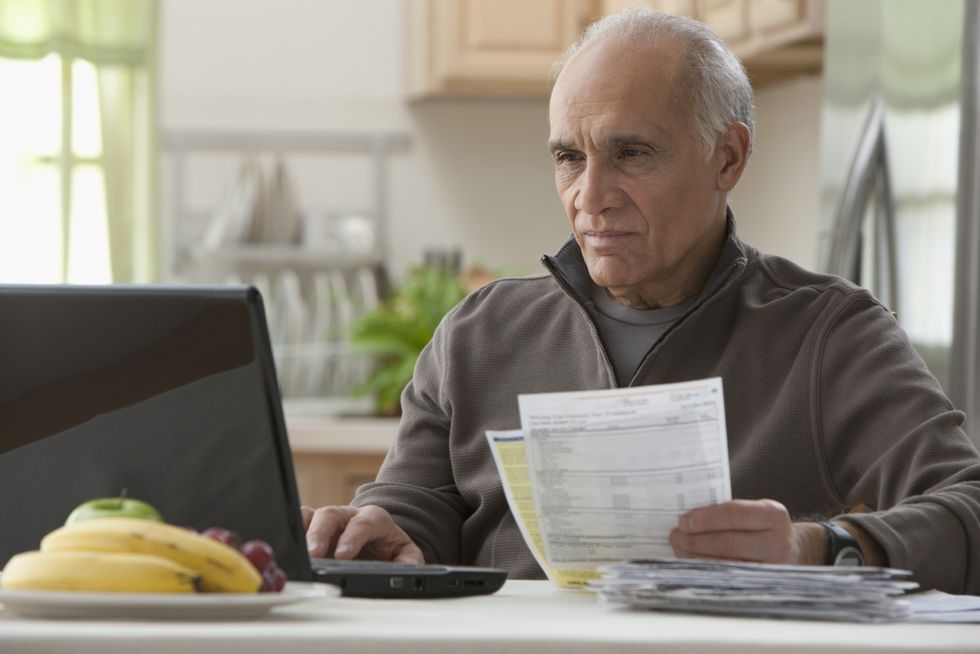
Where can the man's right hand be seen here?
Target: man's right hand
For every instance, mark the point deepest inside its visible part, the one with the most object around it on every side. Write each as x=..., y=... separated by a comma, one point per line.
x=365, y=532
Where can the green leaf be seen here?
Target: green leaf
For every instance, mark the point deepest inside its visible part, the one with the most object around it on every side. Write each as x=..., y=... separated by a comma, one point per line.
x=397, y=331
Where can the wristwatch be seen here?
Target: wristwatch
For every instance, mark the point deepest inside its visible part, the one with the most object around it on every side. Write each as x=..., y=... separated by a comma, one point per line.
x=843, y=549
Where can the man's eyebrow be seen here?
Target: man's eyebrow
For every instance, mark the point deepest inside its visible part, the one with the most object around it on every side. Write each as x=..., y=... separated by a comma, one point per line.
x=559, y=144
x=611, y=142
x=620, y=140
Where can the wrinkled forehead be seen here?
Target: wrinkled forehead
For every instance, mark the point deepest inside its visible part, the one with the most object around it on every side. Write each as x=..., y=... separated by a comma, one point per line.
x=641, y=81
x=652, y=73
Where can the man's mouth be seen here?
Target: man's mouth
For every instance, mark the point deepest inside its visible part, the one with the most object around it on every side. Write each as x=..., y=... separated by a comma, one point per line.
x=604, y=239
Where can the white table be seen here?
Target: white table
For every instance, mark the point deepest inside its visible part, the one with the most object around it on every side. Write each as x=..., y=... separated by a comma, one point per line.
x=524, y=616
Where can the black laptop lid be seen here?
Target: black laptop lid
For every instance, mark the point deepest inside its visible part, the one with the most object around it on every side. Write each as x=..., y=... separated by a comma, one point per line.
x=168, y=392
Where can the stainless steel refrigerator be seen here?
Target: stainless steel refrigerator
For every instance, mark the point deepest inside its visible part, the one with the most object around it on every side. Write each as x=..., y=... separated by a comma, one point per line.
x=899, y=160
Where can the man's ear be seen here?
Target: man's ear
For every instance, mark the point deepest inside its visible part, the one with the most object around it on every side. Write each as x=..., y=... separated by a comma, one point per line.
x=733, y=144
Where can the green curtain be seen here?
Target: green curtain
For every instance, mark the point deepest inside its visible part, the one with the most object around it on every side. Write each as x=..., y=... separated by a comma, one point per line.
x=910, y=50
x=110, y=32
x=118, y=36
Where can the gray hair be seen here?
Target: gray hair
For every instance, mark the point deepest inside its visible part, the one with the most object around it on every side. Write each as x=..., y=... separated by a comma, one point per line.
x=717, y=91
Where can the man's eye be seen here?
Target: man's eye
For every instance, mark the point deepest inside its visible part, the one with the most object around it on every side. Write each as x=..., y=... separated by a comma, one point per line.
x=566, y=157
x=629, y=153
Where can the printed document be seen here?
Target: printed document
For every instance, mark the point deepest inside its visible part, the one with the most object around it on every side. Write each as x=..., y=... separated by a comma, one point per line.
x=508, y=454
x=598, y=477
x=611, y=471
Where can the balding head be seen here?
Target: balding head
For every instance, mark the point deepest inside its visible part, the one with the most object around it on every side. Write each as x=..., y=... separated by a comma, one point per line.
x=711, y=85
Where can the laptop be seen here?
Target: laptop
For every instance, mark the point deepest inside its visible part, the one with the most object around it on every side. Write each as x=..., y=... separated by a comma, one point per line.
x=170, y=393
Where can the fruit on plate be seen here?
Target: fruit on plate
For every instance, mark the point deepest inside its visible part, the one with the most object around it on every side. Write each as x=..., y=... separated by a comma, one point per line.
x=97, y=572
x=263, y=558
x=222, y=569
x=114, y=507
x=259, y=553
x=222, y=535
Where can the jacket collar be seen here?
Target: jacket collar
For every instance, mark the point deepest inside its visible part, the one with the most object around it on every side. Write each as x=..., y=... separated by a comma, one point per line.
x=568, y=265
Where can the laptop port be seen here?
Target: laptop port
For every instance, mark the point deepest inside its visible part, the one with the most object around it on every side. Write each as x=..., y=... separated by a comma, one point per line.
x=419, y=584
x=473, y=582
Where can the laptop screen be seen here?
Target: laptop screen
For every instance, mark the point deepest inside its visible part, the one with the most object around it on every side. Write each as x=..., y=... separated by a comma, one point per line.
x=167, y=392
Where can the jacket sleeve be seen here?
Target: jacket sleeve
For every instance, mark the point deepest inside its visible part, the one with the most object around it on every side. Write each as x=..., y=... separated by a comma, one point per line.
x=415, y=483
x=893, y=442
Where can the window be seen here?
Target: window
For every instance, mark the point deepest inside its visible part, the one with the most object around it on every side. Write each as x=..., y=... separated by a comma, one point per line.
x=53, y=209
x=76, y=141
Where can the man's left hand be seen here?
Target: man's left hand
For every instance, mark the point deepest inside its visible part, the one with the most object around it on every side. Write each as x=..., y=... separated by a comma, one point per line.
x=747, y=530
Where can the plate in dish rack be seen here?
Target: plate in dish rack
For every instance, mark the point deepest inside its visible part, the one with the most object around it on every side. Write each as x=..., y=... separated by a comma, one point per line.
x=159, y=606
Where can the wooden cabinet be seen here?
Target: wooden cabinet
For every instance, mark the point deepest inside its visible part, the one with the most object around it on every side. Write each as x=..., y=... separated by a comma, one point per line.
x=507, y=47
x=333, y=456
x=775, y=39
x=727, y=17
x=491, y=47
x=782, y=38
x=678, y=7
x=333, y=479
x=768, y=16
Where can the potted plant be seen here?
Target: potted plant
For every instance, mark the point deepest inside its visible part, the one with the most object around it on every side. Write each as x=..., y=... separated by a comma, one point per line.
x=395, y=332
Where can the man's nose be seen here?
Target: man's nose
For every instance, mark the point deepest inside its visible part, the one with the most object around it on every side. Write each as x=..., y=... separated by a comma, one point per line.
x=597, y=190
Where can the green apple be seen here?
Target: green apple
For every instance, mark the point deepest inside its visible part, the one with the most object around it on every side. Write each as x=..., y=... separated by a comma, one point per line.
x=114, y=507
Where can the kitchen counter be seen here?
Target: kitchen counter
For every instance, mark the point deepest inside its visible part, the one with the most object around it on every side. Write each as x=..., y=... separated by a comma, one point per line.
x=330, y=434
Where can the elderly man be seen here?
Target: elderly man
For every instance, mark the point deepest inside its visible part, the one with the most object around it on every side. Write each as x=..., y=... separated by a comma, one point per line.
x=831, y=414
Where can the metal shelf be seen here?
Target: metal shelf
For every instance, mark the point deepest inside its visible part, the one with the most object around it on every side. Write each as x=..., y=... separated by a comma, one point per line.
x=179, y=145
x=317, y=355
x=273, y=256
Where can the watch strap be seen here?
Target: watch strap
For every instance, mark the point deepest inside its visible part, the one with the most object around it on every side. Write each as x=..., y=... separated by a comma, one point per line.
x=839, y=539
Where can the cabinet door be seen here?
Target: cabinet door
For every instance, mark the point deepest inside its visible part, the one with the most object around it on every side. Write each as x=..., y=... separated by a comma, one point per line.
x=768, y=15
x=676, y=7
x=728, y=17
x=332, y=479
x=494, y=47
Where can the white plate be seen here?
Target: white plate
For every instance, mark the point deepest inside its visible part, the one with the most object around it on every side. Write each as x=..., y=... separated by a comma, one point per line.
x=159, y=606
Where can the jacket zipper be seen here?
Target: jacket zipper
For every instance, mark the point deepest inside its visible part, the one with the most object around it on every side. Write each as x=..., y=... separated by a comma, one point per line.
x=567, y=289
x=729, y=279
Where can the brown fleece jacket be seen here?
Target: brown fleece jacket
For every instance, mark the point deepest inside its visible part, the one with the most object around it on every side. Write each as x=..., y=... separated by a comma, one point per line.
x=828, y=407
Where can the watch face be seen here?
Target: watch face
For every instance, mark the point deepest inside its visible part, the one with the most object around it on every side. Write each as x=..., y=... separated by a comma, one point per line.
x=849, y=556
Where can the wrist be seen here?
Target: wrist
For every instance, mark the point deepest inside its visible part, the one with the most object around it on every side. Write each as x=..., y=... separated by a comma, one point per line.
x=843, y=549
x=810, y=544
x=874, y=554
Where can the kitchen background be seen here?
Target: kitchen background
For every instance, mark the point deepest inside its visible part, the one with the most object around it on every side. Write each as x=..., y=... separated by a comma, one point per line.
x=324, y=149
x=465, y=165
x=477, y=174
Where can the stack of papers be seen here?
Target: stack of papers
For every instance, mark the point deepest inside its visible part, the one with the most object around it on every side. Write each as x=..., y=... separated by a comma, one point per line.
x=760, y=590
x=597, y=479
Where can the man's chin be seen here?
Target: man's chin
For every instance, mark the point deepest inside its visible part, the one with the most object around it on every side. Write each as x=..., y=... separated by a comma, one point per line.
x=618, y=271
x=612, y=281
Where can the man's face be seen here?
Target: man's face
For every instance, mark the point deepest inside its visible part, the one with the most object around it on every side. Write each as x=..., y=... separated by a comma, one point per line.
x=645, y=205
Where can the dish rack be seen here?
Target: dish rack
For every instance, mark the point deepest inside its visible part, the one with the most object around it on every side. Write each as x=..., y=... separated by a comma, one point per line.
x=318, y=268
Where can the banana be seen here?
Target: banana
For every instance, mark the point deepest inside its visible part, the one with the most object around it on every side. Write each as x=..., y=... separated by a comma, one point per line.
x=222, y=569
x=97, y=572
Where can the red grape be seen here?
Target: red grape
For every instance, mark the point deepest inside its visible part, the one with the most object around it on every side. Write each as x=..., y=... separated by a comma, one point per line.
x=223, y=535
x=259, y=553
x=273, y=579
